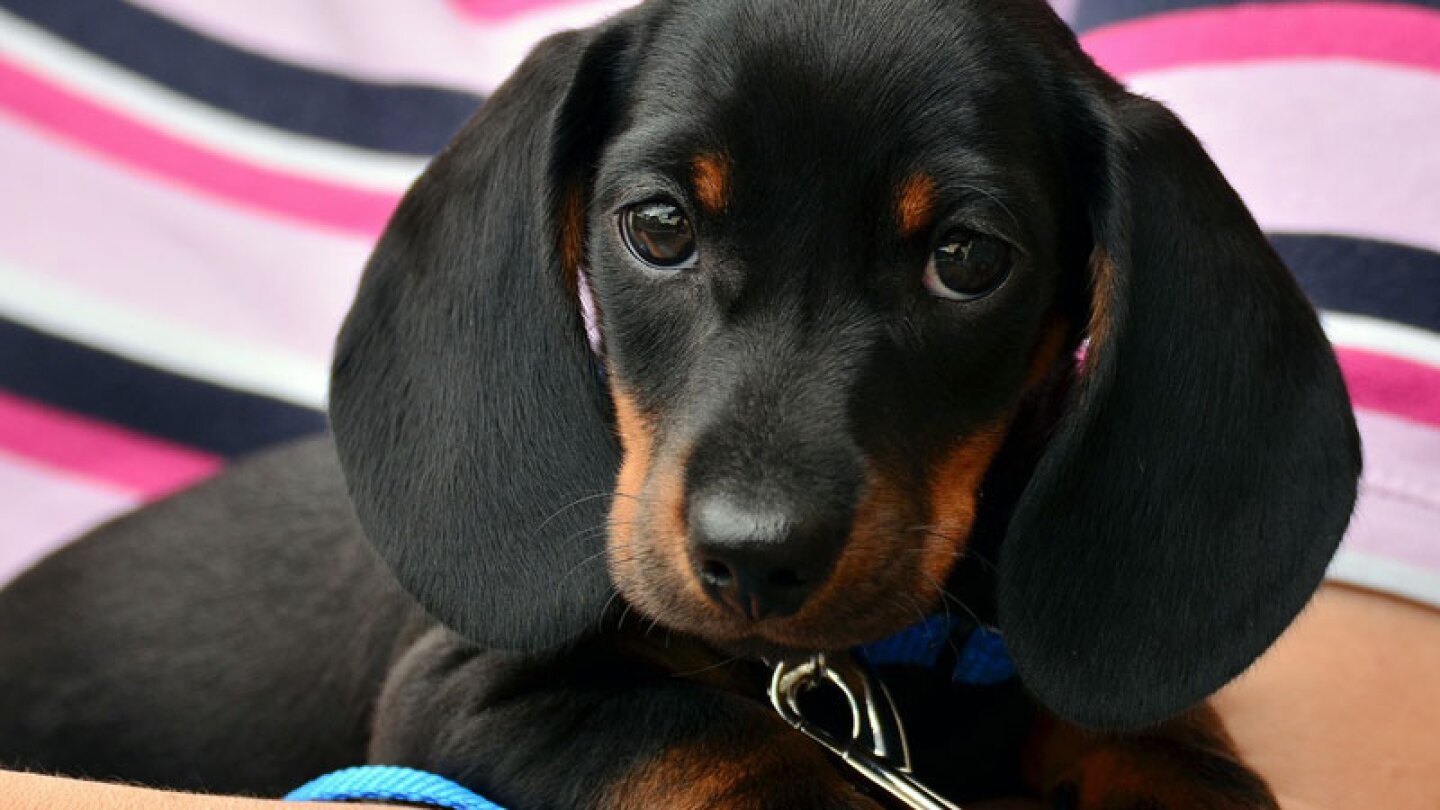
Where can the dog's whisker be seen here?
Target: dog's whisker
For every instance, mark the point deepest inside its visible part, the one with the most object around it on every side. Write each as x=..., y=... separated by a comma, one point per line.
x=992, y=197
x=947, y=598
x=577, y=566
x=604, y=609
x=571, y=505
x=701, y=671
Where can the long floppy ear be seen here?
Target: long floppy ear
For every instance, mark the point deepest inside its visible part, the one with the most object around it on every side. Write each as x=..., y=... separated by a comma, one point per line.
x=470, y=421
x=1205, y=469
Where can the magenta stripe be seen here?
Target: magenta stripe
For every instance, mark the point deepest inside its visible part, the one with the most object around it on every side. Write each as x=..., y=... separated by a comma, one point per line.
x=153, y=248
x=497, y=10
x=143, y=148
x=1394, y=34
x=1392, y=385
x=127, y=461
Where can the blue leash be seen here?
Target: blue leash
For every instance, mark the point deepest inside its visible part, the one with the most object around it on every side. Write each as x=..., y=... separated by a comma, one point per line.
x=981, y=660
x=381, y=783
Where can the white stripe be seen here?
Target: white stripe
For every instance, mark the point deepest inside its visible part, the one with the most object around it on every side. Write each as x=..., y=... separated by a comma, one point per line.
x=153, y=340
x=1386, y=576
x=1373, y=334
x=1319, y=145
x=158, y=107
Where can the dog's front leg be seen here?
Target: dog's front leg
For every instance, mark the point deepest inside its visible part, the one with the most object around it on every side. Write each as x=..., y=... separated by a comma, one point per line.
x=601, y=726
x=1188, y=763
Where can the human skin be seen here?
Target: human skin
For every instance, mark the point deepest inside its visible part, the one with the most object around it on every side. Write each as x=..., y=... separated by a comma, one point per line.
x=1342, y=712
x=25, y=791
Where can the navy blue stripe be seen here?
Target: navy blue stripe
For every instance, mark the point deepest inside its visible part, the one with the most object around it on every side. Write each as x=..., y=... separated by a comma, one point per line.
x=81, y=380
x=409, y=119
x=1095, y=13
x=1378, y=279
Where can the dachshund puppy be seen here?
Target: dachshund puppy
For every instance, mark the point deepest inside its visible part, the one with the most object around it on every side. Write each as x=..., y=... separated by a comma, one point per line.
x=730, y=332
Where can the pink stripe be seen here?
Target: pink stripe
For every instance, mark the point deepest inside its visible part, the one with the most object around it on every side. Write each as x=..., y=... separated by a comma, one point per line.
x=1394, y=34
x=45, y=509
x=1396, y=528
x=139, y=147
x=1391, y=385
x=497, y=10
x=156, y=249
x=1401, y=455
x=1287, y=135
x=137, y=464
x=1400, y=493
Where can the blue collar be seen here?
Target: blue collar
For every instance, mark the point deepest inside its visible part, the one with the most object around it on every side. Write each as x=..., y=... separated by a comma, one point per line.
x=979, y=654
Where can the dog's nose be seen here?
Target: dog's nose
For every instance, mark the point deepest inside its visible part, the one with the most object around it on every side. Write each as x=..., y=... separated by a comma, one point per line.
x=760, y=560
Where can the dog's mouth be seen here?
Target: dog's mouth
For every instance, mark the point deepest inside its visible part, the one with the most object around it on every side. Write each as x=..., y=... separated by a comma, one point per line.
x=889, y=573
x=769, y=573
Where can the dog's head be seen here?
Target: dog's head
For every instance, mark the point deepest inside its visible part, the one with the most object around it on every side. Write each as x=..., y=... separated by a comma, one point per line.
x=830, y=255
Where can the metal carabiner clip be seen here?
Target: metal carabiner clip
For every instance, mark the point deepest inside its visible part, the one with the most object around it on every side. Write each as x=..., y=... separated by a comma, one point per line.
x=877, y=748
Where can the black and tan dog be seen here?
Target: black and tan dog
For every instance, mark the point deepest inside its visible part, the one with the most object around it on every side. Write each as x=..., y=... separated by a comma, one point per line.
x=838, y=259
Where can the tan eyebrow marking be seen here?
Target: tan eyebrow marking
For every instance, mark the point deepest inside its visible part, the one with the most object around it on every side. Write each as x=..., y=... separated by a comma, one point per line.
x=712, y=181
x=916, y=206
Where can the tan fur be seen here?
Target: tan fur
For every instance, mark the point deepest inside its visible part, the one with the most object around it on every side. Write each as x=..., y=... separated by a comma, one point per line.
x=712, y=182
x=916, y=204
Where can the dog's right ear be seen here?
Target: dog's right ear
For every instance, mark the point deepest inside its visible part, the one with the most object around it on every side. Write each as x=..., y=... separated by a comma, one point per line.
x=472, y=427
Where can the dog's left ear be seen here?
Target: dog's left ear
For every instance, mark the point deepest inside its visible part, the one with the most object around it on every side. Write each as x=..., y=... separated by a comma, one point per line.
x=1193, y=493
x=471, y=424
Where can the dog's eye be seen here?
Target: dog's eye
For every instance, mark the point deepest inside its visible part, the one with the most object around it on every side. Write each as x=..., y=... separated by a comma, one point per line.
x=967, y=265
x=659, y=234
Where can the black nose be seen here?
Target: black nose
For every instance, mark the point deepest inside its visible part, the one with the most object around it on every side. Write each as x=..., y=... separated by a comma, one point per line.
x=760, y=560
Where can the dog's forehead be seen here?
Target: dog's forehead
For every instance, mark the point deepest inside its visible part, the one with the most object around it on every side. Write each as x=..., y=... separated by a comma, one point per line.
x=826, y=93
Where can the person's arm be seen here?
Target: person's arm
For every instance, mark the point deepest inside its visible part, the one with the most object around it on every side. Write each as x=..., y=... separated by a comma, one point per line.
x=1342, y=711
x=24, y=791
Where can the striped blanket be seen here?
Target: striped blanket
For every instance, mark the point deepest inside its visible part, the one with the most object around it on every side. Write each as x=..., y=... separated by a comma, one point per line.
x=190, y=189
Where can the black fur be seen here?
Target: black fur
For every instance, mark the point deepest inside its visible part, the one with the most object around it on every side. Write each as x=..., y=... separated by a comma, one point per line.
x=1158, y=517
x=464, y=402
x=1205, y=471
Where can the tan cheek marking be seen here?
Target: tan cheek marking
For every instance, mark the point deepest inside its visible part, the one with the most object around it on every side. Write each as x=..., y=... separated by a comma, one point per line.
x=659, y=484
x=668, y=525
x=870, y=541
x=955, y=491
x=1102, y=300
x=916, y=205
x=870, y=536
x=636, y=443
x=712, y=182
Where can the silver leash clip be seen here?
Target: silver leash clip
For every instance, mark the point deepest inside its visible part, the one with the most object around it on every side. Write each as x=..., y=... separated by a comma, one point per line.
x=877, y=748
